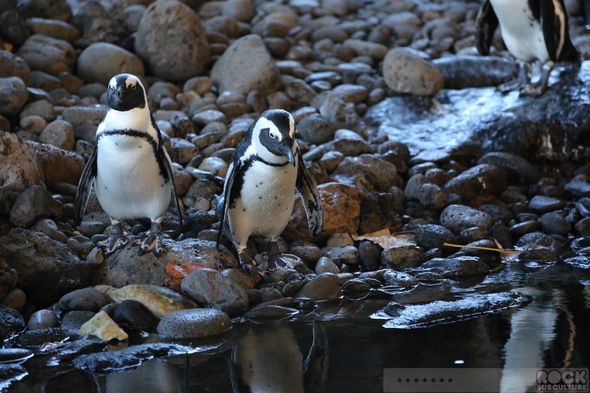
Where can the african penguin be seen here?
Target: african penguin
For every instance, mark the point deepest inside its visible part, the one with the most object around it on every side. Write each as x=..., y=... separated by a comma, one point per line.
x=129, y=167
x=532, y=30
x=259, y=190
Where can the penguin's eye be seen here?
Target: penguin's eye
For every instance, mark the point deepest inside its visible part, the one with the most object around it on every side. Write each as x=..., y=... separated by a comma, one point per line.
x=272, y=136
x=132, y=87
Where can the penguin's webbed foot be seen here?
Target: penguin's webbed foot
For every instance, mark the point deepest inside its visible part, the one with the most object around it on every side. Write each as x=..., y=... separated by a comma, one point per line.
x=533, y=90
x=151, y=241
x=249, y=264
x=117, y=240
x=521, y=80
x=284, y=260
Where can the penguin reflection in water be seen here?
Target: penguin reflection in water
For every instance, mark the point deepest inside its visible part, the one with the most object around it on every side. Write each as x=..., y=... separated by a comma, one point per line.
x=129, y=166
x=532, y=30
x=259, y=190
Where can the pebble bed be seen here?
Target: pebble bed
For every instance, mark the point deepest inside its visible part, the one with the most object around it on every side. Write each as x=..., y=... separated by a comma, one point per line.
x=211, y=68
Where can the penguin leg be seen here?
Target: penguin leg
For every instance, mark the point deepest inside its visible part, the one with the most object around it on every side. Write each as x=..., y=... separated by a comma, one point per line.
x=521, y=80
x=539, y=87
x=248, y=263
x=118, y=238
x=151, y=240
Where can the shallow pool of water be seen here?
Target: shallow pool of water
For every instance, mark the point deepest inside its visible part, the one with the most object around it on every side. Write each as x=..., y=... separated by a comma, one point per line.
x=352, y=354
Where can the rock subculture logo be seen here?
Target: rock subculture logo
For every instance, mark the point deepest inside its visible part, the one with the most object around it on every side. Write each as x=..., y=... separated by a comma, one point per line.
x=562, y=380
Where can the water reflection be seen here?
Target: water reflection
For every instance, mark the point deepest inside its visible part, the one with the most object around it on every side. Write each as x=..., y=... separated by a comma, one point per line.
x=155, y=376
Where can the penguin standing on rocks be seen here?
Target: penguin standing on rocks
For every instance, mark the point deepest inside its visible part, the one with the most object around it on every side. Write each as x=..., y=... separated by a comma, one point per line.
x=532, y=30
x=129, y=166
x=259, y=190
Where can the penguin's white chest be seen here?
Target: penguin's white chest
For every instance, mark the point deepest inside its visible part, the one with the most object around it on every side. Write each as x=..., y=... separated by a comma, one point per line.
x=522, y=34
x=128, y=179
x=266, y=203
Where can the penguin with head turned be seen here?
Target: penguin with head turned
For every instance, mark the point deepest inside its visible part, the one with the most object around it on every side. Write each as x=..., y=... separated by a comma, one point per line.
x=129, y=167
x=259, y=189
x=533, y=30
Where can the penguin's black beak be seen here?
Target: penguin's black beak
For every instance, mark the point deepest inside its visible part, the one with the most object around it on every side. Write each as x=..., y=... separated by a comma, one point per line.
x=286, y=147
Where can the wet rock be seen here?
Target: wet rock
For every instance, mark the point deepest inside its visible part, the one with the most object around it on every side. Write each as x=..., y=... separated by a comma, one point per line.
x=73, y=320
x=482, y=179
x=538, y=239
x=373, y=173
x=59, y=134
x=210, y=288
x=325, y=286
x=85, y=299
x=14, y=95
x=193, y=323
x=342, y=254
x=58, y=29
x=315, y=129
x=34, y=203
x=48, y=9
x=405, y=71
x=14, y=66
x=41, y=108
x=430, y=236
x=355, y=285
x=171, y=41
x=459, y=217
x=370, y=255
x=460, y=72
x=16, y=299
x=402, y=257
x=441, y=311
x=11, y=321
x=379, y=211
x=399, y=279
x=307, y=251
x=47, y=269
x=102, y=60
x=428, y=194
x=8, y=278
x=42, y=319
x=261, y=75
x=19, y=169
x=159, y=300
x=37, y=338
x=342, y=205
x=48, y=54
x=553, y=223
x=543, y=204
x=457, y=266
x=517, y=168
x=58, y=165
x=8, y=355
x=578, y=187
x=134, y=315
x=326, y=265
x=127, y=267
x=103, y=327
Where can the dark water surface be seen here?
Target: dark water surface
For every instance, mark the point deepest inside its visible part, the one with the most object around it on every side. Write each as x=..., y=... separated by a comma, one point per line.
x=348, y=350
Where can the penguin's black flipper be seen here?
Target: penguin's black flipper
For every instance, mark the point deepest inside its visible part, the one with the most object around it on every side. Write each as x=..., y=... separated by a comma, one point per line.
x=486, y=24
x=556, y=32
x=229, y=182
x=85, y=187
x=311, y=197
x=170, y=174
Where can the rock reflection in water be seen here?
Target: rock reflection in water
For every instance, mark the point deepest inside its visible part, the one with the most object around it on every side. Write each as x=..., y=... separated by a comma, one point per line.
x=155, y=376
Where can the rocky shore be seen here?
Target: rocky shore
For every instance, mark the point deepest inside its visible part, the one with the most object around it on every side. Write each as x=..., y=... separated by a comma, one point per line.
x=391, y=207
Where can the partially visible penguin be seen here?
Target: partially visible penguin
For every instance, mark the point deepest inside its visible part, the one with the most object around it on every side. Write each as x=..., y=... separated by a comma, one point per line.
x=259, y=190
x=532, y=30
x=129, y=167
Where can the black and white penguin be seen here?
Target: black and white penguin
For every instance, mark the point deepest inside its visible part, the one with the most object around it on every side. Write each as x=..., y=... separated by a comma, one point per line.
x=129, y=166
x=532, y=30
x=259, y=190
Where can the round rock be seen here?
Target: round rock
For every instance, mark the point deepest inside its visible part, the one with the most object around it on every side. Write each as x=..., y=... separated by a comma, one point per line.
x=171, y=41
x=85, y=299
x=198, y=322
x=405, y=71
x=102, y=60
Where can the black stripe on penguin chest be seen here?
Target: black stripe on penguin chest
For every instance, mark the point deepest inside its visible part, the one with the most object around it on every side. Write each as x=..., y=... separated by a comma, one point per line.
x=146, y=137
x=240, y=176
